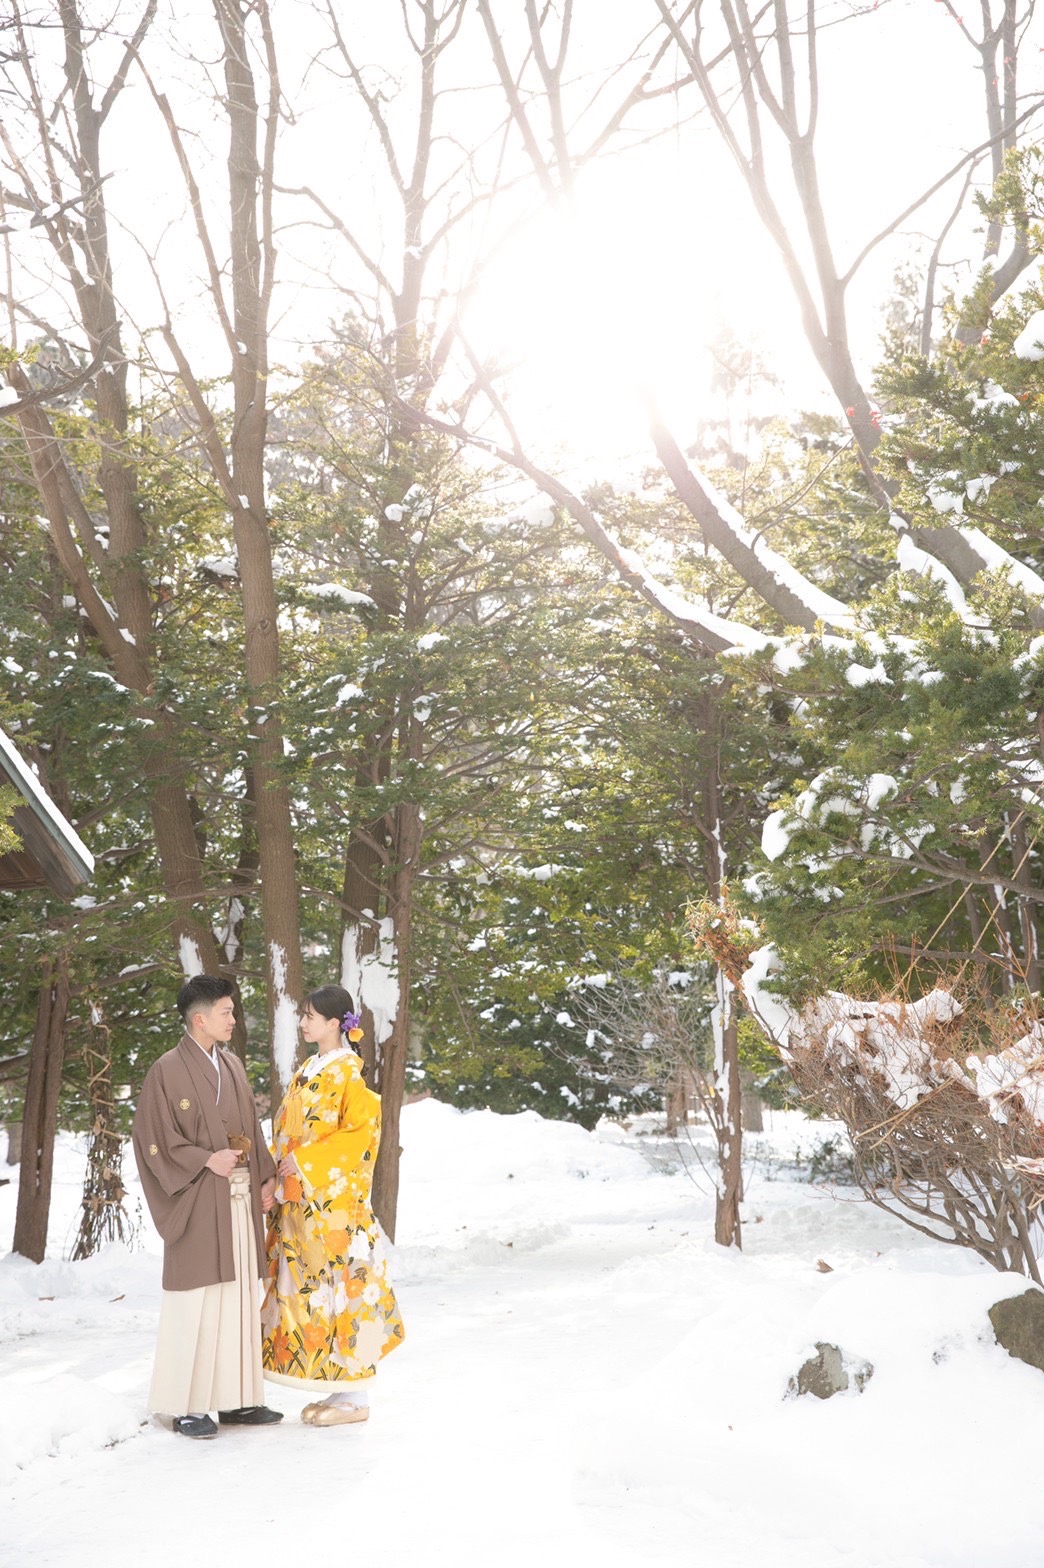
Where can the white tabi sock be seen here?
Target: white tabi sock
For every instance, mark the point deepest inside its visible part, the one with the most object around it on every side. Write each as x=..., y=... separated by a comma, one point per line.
x=359, y=1397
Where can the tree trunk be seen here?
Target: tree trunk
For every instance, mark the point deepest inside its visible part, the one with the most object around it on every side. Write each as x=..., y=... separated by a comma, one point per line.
x=728, y=1230
x=40, y=1120
x=676, y=1102
x=14, y=1142
x=252, y=272
x=751, y=1109
x=728, y=1121
x=393, y=1053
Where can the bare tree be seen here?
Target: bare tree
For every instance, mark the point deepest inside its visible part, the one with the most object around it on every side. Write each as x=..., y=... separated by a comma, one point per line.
x=442, y=189
x=62, y=141
x=241, y=310
x=61, y=151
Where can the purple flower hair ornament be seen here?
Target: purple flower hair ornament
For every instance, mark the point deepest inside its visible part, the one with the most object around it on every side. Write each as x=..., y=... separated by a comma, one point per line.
x=351, y=1024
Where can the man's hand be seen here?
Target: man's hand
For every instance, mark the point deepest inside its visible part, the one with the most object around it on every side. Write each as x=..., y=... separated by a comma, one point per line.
x=223, y=1162
x=268, y=1194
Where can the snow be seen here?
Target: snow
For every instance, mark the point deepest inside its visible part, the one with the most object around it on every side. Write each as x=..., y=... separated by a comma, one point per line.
x=993, y=396
x=220, y=565
x=372, y=978
x=878, y=787
x=284, y=1015
x=1019, y=1070
x=997, y=559
x=945, y=500
x=394, y=514
x=894, y=1040
x=775, y=839
x=8, y=396
x=190, y=956
x=587, y=1379
x=1030, y=342
x=859, y=675
x=333, y=593
x=980, y=486
x=430, y=640
x=734, y=635
x=821, y=604
x=912, y=558
x=773, y=1012
x=349, y=692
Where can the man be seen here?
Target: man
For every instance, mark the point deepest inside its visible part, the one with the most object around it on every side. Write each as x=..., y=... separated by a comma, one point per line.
x=207, y=1175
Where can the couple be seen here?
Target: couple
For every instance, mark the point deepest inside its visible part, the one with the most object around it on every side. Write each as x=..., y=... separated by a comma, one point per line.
x=329, y=1311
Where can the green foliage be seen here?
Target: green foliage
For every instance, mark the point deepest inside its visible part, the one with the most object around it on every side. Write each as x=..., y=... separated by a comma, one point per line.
x=9, y=840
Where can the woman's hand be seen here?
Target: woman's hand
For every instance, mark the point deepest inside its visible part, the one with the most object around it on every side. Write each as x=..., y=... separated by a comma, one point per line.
x=288, y=1166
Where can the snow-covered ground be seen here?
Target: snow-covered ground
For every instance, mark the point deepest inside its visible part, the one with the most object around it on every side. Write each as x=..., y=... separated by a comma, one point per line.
x=587, y=1379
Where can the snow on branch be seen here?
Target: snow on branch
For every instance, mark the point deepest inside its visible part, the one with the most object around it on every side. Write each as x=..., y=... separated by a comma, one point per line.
x=784, y=589
x=943, y=1100
x=912, y=558
x=995, y=558
x=716, y=633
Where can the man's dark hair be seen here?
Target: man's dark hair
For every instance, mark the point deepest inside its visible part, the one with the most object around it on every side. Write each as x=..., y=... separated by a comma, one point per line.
x=202, y=991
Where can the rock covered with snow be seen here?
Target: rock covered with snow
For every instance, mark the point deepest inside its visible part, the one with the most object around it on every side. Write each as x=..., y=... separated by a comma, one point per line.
x=828, y=1372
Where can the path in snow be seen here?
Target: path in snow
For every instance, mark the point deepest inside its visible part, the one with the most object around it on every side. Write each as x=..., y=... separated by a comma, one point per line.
x=586, y=1379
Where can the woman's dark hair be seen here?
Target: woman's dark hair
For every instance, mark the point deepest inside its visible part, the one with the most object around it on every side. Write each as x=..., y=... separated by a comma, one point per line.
x=203, y=991
x=331, y=1001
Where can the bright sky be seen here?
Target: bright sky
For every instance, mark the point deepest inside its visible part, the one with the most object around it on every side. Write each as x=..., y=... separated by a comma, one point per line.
x=659, y=253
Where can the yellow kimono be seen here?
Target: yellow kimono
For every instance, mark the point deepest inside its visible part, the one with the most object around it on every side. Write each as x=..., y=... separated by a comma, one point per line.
x=329, y=1313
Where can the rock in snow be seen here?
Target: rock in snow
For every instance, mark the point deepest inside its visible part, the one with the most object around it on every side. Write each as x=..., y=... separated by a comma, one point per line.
x=1018, y=1322
x=830, y=1371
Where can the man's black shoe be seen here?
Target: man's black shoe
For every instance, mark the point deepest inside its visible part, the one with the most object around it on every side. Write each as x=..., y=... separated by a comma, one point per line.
x=250, y=1415
x=195, y=1426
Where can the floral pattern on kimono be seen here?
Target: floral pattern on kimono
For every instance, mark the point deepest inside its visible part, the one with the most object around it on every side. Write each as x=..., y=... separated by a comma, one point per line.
x=329, y=1313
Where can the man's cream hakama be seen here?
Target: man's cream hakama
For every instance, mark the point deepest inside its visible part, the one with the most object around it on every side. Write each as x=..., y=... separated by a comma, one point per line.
x=222, y=1322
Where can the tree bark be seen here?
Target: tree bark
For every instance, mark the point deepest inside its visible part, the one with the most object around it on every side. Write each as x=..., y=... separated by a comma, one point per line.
x=14, y=1142
x=393, y=1053
x=253, y=261
x=729, y=1123
x=40, y=1119
x=751, y=1107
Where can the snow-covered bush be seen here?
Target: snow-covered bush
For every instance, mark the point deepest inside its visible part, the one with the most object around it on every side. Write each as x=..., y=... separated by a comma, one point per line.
x=944, y=1102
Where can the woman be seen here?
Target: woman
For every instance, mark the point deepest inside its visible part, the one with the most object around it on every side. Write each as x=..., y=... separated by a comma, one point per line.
x=329, y=1313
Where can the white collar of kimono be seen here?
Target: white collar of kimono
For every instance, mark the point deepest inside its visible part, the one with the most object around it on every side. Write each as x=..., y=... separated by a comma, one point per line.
x=317, y=1061
x=211, y=1053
